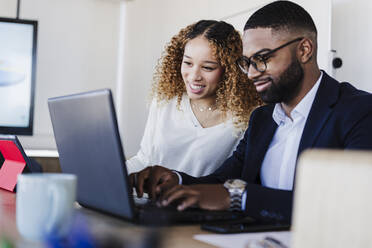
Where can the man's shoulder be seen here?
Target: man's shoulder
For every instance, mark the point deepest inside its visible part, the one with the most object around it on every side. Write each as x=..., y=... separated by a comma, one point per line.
x=351, y=97
x=353, y=104
x=343, y=95
x=341, y=90
x=348, y=90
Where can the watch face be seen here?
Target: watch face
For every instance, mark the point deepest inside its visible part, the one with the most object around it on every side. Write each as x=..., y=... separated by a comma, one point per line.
x=235, y=183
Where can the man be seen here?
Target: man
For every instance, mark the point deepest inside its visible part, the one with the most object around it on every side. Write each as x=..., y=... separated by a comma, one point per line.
x=306, y=109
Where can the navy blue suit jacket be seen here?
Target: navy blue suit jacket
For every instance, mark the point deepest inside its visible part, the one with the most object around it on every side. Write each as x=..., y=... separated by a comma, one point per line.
x=340, y=118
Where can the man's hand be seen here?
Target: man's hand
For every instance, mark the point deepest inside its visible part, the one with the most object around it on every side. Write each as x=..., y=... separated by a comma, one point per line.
x=204, y=196
x=153, y=180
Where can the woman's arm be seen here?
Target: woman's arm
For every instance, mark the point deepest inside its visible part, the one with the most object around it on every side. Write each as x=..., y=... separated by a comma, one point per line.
x=143, y=157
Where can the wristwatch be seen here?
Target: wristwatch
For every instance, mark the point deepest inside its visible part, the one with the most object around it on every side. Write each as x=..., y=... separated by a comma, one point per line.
x=236, y=188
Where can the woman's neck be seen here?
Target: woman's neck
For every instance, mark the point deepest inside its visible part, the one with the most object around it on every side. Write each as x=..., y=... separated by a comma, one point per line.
x=204, y=103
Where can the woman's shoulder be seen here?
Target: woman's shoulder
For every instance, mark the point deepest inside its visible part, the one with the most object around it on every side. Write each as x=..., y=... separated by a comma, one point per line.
x=169, y=104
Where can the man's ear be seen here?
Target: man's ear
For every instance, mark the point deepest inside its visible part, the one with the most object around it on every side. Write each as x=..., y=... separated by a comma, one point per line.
x=305, y=50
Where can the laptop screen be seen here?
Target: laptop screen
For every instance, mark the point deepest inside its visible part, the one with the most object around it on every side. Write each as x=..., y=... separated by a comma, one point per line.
x=89, y=146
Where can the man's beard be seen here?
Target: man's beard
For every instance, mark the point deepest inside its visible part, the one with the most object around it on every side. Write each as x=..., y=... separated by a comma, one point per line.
x=288, y=85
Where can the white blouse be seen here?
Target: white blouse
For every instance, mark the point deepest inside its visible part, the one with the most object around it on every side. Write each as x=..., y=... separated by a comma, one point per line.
x=174, y=138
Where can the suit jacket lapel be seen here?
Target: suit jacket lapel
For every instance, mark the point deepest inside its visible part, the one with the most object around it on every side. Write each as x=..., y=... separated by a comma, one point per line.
x=321, y=109
x=260, y=142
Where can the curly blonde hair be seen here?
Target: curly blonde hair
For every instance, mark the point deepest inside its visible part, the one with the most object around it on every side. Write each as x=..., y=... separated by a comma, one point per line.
x=235, y=95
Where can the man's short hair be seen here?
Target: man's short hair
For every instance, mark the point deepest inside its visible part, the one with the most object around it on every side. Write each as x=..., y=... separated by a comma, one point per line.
x=282, y=15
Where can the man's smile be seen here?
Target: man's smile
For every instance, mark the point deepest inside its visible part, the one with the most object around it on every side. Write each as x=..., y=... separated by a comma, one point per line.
x=262, y=84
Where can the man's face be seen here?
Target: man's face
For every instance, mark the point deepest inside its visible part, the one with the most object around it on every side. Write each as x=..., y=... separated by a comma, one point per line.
x=282, y=79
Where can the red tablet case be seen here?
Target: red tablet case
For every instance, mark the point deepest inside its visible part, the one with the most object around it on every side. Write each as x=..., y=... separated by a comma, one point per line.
x=12, y=166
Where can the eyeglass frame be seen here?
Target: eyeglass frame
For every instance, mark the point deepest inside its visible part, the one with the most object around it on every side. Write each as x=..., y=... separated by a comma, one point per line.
x=263, y=57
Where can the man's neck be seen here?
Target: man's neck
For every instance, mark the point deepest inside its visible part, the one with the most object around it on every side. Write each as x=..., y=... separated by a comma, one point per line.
x=309, y=81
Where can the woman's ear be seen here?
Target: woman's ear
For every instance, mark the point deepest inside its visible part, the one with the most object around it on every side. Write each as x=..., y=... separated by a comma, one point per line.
x=305, y=50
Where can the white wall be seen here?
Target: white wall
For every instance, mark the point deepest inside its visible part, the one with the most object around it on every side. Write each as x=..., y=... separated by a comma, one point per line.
x=8, y=8
x=90, y=44
x=77, y=51
x=150, y=24
x=352, y=39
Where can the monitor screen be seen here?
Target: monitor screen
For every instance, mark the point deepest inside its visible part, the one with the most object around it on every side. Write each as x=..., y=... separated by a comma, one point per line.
x=17, y=75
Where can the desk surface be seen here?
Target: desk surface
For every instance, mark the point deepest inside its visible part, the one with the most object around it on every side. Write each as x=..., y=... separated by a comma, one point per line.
x=176, y=236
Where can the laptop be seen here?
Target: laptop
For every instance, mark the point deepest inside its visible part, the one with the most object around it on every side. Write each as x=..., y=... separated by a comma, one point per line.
x=89, y=146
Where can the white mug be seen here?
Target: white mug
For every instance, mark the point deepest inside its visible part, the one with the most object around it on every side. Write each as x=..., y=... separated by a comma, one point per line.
x=45, y=204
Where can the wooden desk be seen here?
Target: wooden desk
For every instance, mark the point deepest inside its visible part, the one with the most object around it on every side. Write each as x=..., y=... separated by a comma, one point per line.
x=175, y=237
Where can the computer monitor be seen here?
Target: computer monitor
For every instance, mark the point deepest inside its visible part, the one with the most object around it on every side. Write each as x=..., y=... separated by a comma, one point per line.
x=18, y=40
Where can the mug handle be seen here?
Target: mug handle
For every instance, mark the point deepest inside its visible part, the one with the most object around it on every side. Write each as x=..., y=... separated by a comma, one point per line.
x=58, y=209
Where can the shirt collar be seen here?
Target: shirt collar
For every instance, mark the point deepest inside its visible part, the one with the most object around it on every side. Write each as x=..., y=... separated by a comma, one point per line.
x=302, y=108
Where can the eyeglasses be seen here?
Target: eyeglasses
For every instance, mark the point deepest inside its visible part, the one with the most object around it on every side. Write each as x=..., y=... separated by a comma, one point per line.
x=258, y=60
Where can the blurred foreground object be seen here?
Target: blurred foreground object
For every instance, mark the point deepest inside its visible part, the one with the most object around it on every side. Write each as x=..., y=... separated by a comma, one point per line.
x=333, y=204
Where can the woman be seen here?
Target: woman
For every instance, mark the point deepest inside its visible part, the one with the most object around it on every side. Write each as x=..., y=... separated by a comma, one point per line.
x=201, y=101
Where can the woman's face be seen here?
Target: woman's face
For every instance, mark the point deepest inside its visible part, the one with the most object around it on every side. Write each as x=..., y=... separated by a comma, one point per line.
x=200, y=70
